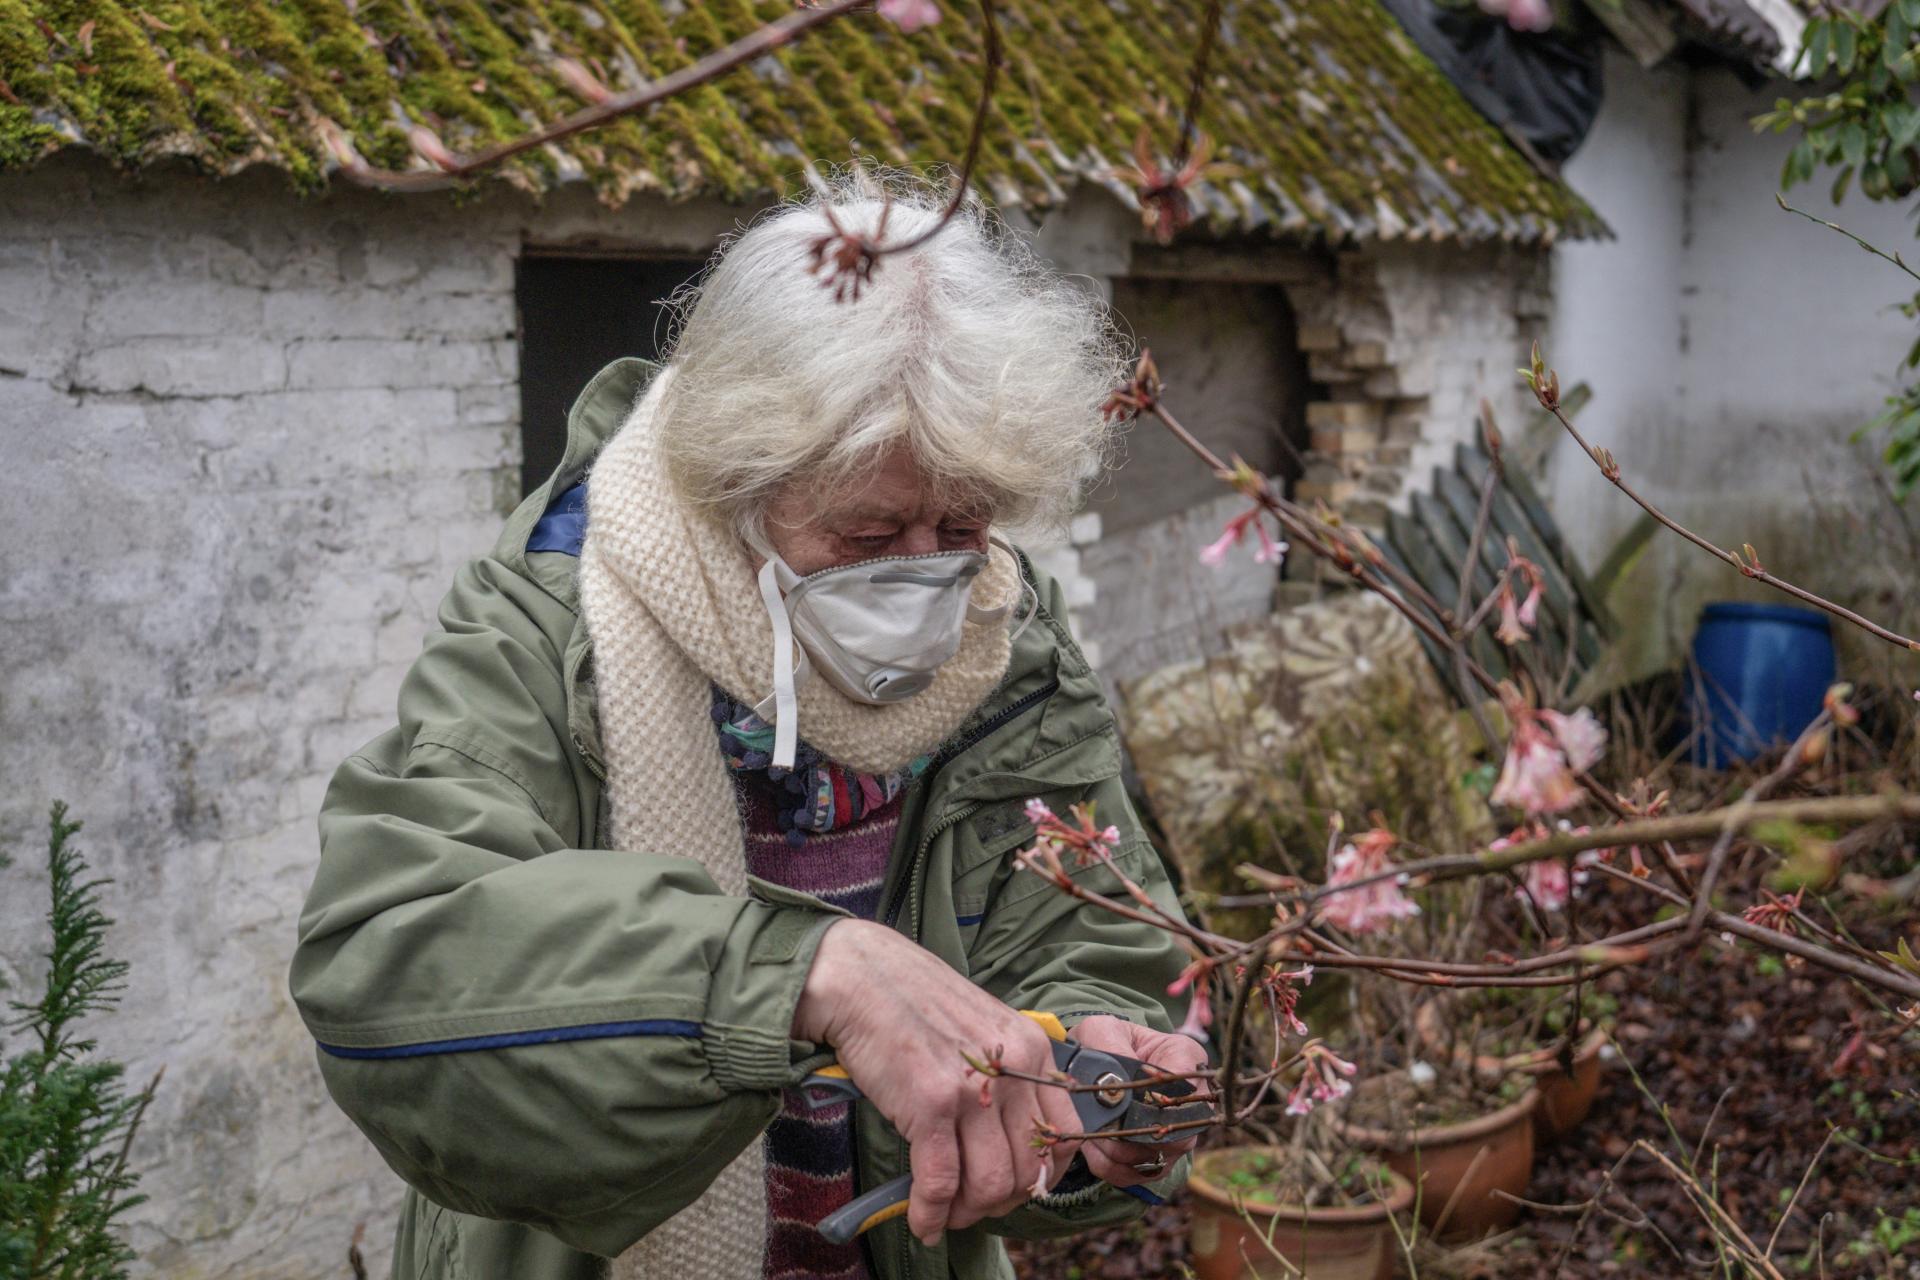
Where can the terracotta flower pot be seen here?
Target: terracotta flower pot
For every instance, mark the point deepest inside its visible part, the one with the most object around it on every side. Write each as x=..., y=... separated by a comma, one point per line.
x=1458, y=1167
x=1330, y=1243
x=1565, y=1098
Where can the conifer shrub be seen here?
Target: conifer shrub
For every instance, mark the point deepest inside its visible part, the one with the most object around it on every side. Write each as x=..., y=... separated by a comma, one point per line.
x=66, y=1118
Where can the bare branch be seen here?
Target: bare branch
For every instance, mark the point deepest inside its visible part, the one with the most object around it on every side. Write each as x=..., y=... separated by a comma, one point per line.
x=754, y=45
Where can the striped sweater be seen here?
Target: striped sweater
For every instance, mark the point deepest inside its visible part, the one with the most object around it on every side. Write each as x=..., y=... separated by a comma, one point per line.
x=829, y=832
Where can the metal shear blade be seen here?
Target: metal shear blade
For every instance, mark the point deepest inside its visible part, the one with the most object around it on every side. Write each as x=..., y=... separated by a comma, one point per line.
x=1121, y=1106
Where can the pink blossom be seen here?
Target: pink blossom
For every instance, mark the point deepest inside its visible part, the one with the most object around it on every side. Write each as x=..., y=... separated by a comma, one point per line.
x=1530, y=607
x=1324, y=1077
x=1581, y=736
x=1547, y=883
x=910, y=15
x=1200, y=1010
x=1511, y=630
x=1534, y=776
x=1517, y=615
x=1087, y=843
x=1214, y=554
x=1371, y=906
x=1285, y=989
x=1546, y=747
x=1265, y=551
x=1043, y=1179
x=1530, y=15
x=1522, y=15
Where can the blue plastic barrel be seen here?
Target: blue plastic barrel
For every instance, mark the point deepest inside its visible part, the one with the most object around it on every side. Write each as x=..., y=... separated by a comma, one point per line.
x=1760, y=673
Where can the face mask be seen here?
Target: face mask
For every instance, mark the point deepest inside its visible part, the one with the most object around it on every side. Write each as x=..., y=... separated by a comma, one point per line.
x=877, y=630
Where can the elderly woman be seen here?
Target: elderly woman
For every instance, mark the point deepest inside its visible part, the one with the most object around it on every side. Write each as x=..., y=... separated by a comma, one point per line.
x=718, y=767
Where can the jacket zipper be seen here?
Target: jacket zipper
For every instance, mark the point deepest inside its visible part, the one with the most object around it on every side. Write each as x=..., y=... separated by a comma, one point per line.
x=906, y=890
x=903, y=891
x=594, y=766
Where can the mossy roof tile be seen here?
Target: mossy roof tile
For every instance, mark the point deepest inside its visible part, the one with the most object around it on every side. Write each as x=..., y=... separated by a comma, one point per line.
x=1335, y=125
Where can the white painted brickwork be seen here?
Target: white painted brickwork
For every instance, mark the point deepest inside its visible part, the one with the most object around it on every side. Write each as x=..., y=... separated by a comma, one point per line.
x=248, y=441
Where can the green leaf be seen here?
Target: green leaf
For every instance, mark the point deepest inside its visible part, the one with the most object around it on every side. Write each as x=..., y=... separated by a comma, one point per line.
x=1910, y=10
x=1853, y=145
x=1799, y=164
x=1902, y=123
x=1846, y=43
x=1819, y=43
x=1899, y=171
x=1898, y=32
x=1840, y=184
x=1903, y=957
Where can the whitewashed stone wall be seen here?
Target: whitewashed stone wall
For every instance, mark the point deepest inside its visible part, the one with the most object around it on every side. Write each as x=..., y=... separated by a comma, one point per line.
x=247, y=442
x=1732, y=350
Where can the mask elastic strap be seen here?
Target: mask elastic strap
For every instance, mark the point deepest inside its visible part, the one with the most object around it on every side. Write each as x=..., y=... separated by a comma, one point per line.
x=786, y=702
x=1026, y=589
x=977, y=614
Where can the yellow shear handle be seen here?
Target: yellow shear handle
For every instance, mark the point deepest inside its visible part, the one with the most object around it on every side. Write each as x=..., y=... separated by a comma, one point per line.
x=890, y=1199
x=1048, y=1023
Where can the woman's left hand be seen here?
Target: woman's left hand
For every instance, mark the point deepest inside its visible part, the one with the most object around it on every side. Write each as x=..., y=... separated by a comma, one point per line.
x=1114, y=1160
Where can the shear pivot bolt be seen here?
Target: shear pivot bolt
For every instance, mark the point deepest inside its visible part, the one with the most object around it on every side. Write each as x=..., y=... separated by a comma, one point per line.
x=1112, y=1090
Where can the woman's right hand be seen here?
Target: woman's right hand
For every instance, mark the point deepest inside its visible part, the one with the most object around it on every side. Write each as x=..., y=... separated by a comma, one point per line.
x=900, y=1021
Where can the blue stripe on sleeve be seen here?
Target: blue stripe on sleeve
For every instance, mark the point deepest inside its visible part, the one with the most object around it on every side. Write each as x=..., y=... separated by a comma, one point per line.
x=1142, y=1194
x=964, y=921
x=515, y=1039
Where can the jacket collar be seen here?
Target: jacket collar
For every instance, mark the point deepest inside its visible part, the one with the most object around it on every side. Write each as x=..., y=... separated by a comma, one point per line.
x=596, y=414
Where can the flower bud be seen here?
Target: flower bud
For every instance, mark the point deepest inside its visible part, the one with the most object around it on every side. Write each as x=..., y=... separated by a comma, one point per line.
x=1814, y=749
x=427, y=144
x=582, y=82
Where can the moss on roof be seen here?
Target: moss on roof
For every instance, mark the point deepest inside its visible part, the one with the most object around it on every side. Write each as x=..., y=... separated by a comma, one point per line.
x=1338, y=125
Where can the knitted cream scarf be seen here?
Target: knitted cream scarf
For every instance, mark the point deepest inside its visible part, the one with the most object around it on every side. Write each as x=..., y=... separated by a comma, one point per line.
x=672, y=607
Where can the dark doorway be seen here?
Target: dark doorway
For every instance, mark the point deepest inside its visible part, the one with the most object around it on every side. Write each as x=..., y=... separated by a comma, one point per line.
x=577, y=314
x=1232, y=353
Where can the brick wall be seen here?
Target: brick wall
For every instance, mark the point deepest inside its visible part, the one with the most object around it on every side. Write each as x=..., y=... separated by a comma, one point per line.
x=1403, y=343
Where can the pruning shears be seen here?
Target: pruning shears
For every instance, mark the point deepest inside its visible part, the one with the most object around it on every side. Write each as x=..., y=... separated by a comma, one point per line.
x=1113, y=1105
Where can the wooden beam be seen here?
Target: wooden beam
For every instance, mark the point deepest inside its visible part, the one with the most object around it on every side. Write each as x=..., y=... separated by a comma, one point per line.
x=1640, y=26
x=1238, y=264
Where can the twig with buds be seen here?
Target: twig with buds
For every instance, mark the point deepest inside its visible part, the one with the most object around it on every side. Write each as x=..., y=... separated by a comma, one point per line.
x=1546, y=388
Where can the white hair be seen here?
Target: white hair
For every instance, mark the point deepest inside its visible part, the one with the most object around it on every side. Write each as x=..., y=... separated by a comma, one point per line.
x=990, y=367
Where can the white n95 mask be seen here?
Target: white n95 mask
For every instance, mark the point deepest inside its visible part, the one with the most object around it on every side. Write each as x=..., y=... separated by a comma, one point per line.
x=876, y=630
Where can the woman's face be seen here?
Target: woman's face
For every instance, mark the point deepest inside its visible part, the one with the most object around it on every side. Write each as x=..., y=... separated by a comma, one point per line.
x=892, y=511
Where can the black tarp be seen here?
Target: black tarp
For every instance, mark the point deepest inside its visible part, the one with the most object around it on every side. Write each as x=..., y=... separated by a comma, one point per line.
x=1542, y=87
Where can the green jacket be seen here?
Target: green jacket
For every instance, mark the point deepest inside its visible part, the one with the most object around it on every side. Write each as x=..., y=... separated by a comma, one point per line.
x=557, y=1045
